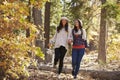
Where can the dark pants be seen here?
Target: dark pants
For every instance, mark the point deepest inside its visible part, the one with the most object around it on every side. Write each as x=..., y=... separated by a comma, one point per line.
x=59, y=56
x=77, y=55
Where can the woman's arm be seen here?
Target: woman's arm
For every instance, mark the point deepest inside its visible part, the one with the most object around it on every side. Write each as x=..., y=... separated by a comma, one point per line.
x=52, y=41
x=84, y=35
x=85, y=38
x=70, y=36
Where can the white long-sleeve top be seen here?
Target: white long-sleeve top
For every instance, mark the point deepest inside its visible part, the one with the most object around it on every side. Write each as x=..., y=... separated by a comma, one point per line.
x=79, y=32
x=61, y=38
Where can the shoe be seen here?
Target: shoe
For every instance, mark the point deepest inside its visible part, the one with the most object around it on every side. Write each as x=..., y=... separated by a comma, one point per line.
x=58, y=75
x=72, y=72
x=75, y=77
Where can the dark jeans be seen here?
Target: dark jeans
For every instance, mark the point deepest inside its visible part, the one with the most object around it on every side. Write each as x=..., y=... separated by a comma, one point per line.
x=77, y=55
x=59, y=56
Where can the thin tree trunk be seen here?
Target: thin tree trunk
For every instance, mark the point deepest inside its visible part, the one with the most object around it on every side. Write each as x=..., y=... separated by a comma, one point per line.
x=37, y=18
x=47, y=30
x=102, y=36
x=47, y=23
x=27, y=32
x=29, y=19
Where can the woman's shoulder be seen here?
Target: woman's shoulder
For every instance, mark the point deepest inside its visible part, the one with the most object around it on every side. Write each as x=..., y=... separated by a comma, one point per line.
x=83, y=29
x=69, y=27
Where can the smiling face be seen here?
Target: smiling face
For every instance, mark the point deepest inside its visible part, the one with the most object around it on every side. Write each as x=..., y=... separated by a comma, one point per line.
x=77, y=24
x=64, y=22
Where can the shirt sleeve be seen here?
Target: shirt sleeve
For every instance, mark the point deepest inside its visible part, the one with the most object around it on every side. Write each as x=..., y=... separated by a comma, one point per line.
x=70, y=36
x=52, y=41
x=84, y=34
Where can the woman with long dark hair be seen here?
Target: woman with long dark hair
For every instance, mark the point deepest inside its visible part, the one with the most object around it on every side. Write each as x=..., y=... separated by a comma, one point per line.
x=61, y=42
x=78, y=37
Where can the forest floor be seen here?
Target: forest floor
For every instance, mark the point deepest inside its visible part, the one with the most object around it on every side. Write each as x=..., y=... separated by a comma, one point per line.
x=90, y=70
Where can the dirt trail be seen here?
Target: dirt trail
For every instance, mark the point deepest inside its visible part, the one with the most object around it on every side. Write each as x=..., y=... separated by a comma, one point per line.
x=90, y=70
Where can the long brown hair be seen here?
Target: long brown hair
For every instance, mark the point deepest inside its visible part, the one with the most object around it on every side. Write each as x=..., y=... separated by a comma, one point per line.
x=61, y=26
x=80, y=26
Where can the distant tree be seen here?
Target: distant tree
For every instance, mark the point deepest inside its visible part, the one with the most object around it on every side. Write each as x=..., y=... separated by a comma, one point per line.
x=103, y=35
x=87, y=11
x=37, y=19
x=118, y=17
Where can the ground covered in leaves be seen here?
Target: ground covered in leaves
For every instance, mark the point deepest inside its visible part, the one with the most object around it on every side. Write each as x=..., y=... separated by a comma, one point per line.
x=90, y=70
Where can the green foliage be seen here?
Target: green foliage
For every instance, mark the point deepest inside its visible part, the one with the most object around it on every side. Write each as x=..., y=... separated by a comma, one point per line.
x=113, y=10
x=80, y=9
x=55, y=15
x=76, y=7
x=113, y=14
x=39, y=53
x=88, y=12
x=38, y=3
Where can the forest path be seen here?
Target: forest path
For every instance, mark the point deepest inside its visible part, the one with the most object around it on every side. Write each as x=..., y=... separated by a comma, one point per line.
x=90, y=70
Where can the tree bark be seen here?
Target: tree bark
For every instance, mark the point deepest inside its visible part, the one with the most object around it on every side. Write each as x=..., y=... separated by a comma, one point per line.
x=47, y=30
x=47, y=23
x=29, y=19
x=102, y=36
x=37, y=18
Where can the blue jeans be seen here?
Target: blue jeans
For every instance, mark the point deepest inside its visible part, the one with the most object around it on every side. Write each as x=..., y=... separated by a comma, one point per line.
x=77, y=55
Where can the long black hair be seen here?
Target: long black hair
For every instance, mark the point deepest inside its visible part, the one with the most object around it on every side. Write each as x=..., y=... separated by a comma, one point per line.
x=80, y=26
x=61, y=26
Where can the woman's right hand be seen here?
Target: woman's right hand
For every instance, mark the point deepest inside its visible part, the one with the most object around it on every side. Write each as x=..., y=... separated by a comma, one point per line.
x=69, y=41
x=49, y=45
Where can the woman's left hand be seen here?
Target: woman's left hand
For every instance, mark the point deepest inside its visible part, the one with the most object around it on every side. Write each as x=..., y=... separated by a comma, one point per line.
x=69, y=41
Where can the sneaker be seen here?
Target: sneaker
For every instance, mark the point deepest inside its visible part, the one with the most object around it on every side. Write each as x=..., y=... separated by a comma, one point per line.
x=58, y=75
x=75, y=79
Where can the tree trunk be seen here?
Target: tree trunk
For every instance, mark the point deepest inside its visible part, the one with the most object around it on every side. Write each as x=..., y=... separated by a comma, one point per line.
x=37, y=18
x=47, y=29
x=47, y=23
x=118, y=1
x=29, y=19
x=102, y=36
